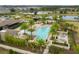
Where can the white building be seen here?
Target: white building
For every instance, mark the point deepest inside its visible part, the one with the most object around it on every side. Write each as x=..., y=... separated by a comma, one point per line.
x=44, y=12
x=62, y=37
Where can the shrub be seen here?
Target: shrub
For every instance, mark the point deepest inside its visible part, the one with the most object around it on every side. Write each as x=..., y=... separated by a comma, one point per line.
x=14, y=41
x=55, y=50
x=12, y=52
x=60, y=43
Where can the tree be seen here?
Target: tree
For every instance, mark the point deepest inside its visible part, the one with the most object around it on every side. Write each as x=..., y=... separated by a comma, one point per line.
x=55, y=17
x=24, y=26
x=40, y=43
x=31, y=22
x=68, y=26
x=12, y=52
x=12, y=10
x=54, y=29
x=58, y=18
x=55, y=9
x=31, y=9
x=44, y=18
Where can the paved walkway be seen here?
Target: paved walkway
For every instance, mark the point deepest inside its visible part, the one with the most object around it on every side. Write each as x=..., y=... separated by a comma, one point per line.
x=47, y=47
x=46, y=50
x=16, y=49
x=50, y=43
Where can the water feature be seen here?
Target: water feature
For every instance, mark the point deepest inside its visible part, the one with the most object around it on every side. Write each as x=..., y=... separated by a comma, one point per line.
x=42, y=32
x=73, y=18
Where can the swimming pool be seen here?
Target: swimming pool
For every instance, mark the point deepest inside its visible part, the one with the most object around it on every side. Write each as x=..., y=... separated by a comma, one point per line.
x=42, y=32
x=39, y=33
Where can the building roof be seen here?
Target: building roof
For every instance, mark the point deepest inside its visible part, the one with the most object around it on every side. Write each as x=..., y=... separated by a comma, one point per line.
x=12, y=32
x=9, y=22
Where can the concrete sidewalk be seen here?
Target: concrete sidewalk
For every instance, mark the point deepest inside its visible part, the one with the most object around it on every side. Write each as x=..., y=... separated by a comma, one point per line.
x=46, y=50
x=16, y=49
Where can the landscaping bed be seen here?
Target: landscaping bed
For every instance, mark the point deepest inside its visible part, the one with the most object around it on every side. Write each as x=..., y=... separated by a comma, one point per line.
x=24, y=44
x=56, y=50
x=29, y=48
x=3, y=51
x=60, y=43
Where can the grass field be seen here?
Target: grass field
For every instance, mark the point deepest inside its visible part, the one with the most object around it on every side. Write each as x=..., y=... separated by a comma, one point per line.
x=77, y=35
x=75, y=24
x=3, y=51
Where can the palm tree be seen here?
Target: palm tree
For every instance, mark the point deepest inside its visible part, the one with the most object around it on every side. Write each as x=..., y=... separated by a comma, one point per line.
x=31, y=22
x=44, y=18
x=40, y=43
x=58, y=18
x=55, y=17
x=61, y=23
x=24, y=26
x=54, y=29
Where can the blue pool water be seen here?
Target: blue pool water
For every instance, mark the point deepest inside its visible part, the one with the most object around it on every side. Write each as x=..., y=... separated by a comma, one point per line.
x=70, y=17
x=73, y=18
x=42, y=32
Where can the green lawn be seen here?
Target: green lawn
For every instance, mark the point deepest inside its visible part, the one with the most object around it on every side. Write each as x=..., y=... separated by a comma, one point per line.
x=75, y=24
x=76, y=48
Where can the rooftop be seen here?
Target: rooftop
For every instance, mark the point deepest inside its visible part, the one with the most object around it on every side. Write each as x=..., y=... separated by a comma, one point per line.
x=9, y=22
